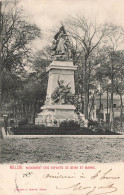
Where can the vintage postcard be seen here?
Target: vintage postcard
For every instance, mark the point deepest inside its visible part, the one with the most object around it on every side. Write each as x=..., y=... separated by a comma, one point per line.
x=62, y=97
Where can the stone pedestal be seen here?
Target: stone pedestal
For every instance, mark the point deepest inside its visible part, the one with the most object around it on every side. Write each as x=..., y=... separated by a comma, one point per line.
x=62, y=70
x=52, y=114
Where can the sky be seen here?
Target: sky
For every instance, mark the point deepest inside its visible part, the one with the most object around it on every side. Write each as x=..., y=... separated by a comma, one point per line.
x=47, y=14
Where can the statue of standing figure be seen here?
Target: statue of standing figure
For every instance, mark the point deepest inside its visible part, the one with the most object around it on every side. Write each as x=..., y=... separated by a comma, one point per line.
x=61, y=44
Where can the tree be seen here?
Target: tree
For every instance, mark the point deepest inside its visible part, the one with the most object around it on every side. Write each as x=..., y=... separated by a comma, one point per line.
x=32, y=95
x=17, y=34
x=10, y=83
x=119, y=83
x=28, y=99
x=110, y=68
x=0, y=58
x=87, y=35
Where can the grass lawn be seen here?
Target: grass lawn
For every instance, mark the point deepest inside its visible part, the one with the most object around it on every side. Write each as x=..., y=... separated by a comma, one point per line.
x=61, y=150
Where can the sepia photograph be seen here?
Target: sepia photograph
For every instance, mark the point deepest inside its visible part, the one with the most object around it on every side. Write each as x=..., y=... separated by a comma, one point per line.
x=62, y=95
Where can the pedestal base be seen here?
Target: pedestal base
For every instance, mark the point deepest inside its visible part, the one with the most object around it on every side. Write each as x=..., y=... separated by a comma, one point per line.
x=53, y=115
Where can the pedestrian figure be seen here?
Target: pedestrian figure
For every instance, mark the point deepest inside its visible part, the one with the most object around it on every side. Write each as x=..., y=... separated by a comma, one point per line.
x=55, y=123
x=5, y=124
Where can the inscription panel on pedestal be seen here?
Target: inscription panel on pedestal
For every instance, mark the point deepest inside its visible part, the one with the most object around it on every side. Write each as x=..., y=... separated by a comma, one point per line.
x=64, y=114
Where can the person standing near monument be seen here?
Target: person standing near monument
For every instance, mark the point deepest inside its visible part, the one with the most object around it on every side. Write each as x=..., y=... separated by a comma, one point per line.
x=5, y=123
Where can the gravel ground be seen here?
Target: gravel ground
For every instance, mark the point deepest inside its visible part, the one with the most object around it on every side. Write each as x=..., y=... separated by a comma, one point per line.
x=61, y=150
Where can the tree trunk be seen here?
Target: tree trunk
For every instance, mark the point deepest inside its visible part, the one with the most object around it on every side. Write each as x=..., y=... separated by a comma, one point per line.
x=107, y=117
x=121, y=111
x=29, y=112
x=0, y=60
x=112, y=110
x=85, y=89
x=33, y=111
x=92, y=106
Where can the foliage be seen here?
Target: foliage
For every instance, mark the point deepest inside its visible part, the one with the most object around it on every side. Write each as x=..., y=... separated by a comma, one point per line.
x=69, y=125
x=110, y=74
x=29, y=127
x=23, y=122
x=98, y=128
x=28, y=94
x=86, y=36
x=10, y=84
x=17, y=35
x=92, y=123
x=42, y=130
x=119, y=122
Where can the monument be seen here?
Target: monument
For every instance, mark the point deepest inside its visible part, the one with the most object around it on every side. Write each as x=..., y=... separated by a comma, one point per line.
x=59, y=104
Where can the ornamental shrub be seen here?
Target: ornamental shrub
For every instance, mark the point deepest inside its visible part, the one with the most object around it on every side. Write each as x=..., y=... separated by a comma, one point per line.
x=69, y=125
x=92, y=123
x=23, y=122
